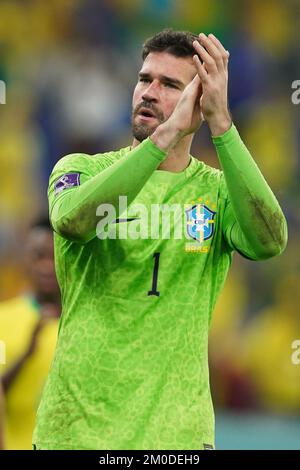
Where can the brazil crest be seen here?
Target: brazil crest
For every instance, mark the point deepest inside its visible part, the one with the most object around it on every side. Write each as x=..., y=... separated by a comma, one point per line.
x=200, y=222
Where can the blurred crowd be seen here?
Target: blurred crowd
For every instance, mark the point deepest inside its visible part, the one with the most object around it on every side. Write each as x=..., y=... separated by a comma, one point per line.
x=70, y=67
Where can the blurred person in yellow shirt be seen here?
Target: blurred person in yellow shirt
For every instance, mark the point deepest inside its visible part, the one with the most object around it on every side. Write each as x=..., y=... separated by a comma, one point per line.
x=28, y=327
x=1, y=417
x=224, y=338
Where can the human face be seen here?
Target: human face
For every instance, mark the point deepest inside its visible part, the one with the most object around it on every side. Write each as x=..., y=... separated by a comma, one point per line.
x=40, y=263
x=162, y=79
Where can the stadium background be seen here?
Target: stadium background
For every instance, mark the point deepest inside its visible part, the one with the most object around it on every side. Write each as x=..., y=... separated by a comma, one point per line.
x=70, y=67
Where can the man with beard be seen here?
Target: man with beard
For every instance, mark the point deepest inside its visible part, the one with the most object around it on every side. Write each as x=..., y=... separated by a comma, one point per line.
x=131, y=366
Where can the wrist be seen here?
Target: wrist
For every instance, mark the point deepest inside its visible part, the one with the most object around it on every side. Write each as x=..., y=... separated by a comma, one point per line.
x=218, y=126
x=166, y=136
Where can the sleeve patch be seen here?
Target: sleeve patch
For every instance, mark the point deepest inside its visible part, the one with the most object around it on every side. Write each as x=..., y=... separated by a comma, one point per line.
x=66, y=181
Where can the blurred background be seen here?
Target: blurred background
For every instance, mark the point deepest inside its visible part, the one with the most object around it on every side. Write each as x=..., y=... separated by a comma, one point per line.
x=70, y=67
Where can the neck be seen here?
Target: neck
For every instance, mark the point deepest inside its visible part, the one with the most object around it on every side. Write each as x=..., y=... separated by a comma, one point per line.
x=178, y=159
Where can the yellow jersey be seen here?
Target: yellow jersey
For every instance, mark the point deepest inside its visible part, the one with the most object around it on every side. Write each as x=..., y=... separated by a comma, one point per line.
x=18, y=319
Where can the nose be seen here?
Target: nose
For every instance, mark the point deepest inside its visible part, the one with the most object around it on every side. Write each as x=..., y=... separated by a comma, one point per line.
x=152, y=92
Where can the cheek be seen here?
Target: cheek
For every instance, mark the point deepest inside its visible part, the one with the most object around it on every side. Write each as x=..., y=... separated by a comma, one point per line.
x=136, y=96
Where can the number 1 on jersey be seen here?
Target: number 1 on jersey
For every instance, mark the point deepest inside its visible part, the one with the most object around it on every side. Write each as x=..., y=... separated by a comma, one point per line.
x=154, y=290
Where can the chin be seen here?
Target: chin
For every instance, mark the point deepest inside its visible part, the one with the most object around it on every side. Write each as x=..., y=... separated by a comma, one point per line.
x=141, y=133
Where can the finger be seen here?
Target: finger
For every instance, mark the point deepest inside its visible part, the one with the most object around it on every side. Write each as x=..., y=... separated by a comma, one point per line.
x=193, y=86
x=191, y=90
x=218, y=43
x=224, y=52
x=194, y=83
x=210, y=63
x=212, y=50
x=201, y=72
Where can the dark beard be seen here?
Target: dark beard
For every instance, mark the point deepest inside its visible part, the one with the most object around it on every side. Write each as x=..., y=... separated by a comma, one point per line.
x=142, y=131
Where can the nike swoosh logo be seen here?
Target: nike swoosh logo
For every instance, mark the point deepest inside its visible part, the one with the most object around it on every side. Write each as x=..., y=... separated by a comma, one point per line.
x=118, y=221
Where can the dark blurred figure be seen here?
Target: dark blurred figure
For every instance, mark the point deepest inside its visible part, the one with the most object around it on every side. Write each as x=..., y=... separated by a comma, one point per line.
x=28, y=327
x=1, y=417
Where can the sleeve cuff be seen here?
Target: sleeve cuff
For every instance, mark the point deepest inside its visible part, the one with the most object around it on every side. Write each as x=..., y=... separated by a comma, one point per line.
x=154, y=151
x=228, y=136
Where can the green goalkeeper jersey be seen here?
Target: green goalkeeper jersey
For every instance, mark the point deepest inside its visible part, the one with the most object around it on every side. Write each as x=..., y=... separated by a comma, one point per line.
x=131, y=364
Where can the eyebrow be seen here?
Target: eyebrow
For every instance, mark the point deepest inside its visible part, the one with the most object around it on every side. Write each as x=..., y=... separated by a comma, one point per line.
x=164, y=79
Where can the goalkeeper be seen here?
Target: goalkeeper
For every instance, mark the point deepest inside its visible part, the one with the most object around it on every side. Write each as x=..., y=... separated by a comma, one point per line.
x=131, y=365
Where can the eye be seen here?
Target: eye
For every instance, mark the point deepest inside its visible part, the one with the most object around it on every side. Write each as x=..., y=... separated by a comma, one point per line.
x=145, y=80
x=170, y=85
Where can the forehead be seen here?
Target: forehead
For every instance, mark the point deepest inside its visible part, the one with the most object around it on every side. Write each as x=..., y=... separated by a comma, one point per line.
x=163, y=63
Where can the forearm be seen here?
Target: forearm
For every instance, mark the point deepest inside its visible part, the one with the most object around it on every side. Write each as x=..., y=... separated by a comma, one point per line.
x=74, y=215
x=255, y=207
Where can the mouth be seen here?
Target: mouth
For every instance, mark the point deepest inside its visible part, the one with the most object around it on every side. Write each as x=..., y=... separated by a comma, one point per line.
x=146, y=114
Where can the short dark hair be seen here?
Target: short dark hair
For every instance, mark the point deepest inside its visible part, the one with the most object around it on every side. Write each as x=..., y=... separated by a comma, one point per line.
x=178, y=43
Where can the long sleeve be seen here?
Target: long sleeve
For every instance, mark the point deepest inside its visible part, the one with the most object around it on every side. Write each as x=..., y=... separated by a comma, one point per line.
x=73, y=209
x=254, y=223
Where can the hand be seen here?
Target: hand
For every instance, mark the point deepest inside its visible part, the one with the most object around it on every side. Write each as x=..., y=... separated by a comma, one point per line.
x=185, y=119
x=187, y=116
x=213, y=74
